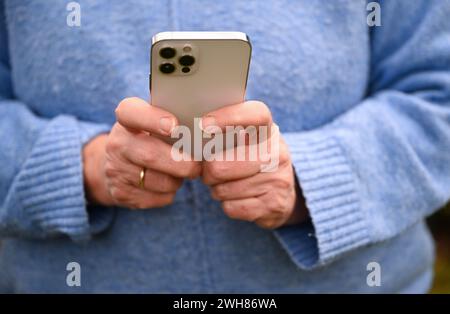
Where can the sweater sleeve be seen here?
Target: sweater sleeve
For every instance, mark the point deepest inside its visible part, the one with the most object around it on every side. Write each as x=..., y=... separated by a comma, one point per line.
x=41, y=178
x=384, y=165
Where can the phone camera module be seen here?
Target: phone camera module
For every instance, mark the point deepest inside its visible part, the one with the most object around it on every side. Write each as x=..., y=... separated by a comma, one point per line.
x=167, y=52
x=167, y=68
x=186, y=60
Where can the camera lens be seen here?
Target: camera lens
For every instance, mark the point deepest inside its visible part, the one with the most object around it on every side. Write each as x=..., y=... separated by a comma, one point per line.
x=186, y=60
x=167, y=52
x=167, y=68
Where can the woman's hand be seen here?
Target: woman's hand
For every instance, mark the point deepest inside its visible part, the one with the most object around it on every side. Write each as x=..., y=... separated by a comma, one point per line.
x=270, y=199
x=112, y=163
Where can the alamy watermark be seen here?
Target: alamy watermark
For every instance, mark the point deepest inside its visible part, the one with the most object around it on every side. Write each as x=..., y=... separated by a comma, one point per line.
x=374, y=277
x=235, y=143
x=73, y=18
x=374, y=16
x=73, y=278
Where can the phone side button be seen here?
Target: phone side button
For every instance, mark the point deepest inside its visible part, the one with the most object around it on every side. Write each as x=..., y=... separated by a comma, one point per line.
x=150, y=82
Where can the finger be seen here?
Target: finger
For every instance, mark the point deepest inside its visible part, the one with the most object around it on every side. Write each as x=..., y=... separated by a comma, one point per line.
x=146, y=199
x=135, y=198
x=128, y=173
x=249, y=113
x=222, y=171
x=253, y=186
x=244, y=161
x=232, y=164
x=248, y=209
x=152, y=153
x=154, y=181
x=135, y=113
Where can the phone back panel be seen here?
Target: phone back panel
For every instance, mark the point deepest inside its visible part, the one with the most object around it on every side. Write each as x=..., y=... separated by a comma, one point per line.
x=217, y=78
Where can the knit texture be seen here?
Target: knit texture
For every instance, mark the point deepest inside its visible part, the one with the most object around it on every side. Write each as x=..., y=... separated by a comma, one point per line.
x=332, y=200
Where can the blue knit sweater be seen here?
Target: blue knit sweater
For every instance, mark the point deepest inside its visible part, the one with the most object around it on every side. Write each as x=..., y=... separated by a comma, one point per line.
x=365, y=112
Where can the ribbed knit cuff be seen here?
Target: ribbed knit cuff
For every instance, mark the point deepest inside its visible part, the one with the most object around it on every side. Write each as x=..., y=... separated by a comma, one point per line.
x=48, y=195
x=327, y=180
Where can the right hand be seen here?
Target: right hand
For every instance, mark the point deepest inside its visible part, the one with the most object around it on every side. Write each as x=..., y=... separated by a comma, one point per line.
x=115, y=161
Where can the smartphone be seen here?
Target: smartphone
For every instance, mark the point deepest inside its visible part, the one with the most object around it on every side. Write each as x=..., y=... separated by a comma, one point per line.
x=193, y=73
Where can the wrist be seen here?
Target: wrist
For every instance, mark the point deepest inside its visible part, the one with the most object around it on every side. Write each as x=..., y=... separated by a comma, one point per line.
x=300, y=212
x=93, y=161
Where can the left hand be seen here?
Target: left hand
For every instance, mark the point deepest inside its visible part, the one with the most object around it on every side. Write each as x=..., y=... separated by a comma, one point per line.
x=270, y=199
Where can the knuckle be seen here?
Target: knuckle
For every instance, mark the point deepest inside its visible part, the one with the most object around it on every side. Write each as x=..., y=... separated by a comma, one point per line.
x=140, y=205
x=283, y=158
x=284, y=155
x=193, y=169
x=221, y=191
x=110, y=170
x=216, y=170
x=267, y=223
x=147, y=157
x=242, y=207
x=236, y=211
x=118, y=195
x=283, y=183
x=112, y=145
x=276, y=203
x=230, y=210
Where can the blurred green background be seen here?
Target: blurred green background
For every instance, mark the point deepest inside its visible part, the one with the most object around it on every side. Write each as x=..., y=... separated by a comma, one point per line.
x=440, y=227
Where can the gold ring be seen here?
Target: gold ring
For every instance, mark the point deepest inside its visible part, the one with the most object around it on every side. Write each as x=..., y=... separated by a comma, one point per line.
x=142, y=178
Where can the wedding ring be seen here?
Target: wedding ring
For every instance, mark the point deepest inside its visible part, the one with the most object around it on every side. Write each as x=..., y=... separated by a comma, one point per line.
x=142, y=178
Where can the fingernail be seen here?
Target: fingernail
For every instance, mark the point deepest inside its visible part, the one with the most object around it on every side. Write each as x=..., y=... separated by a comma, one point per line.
x=166, y=125
x=207, y=123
